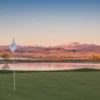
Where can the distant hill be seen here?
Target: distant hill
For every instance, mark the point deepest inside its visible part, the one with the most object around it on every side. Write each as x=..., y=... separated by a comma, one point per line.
x=73, y=47
x=81, y=47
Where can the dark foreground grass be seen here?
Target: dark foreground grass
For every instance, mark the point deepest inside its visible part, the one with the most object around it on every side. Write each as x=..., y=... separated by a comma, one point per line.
x=63, y=85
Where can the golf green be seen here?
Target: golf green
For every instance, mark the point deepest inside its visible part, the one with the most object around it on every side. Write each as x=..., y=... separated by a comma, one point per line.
x=61, y=85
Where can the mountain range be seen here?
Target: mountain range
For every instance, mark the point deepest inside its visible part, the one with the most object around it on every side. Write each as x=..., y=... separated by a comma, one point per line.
x=73, y=47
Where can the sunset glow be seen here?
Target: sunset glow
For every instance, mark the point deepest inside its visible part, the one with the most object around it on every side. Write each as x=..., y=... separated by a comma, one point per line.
x=49, y=22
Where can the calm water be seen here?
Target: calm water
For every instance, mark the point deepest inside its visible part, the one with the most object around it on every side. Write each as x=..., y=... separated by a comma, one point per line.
x=48, y=66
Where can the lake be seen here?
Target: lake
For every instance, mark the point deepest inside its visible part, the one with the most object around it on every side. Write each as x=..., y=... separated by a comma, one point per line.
x=48, y=66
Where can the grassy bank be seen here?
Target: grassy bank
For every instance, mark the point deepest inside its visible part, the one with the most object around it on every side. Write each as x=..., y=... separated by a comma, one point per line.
x=61, y=85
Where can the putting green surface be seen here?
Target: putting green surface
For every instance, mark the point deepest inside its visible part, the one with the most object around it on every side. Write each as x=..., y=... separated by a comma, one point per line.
x=51, y=85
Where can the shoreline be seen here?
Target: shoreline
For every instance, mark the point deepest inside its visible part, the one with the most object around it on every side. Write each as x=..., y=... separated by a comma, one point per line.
x=48, y=61
x=69, y=70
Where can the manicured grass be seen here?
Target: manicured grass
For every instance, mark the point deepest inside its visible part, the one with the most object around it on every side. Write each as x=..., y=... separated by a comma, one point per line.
x=64, y=85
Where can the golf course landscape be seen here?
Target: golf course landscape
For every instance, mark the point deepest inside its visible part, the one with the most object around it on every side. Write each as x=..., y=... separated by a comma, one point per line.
x=49, y=49
x=51, y=85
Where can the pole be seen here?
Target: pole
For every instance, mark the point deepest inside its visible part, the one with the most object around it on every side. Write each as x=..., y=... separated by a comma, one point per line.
x=14, y=73
x=13, y=48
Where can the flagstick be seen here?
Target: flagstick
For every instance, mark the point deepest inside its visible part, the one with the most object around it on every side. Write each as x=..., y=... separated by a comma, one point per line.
x=14, y=73
x=13, y=48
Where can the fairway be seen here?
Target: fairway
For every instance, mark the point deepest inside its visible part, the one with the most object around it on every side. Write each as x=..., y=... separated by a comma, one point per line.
x=62, y=85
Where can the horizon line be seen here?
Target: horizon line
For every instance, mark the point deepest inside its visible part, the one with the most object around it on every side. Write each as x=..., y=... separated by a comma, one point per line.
x=67, y=43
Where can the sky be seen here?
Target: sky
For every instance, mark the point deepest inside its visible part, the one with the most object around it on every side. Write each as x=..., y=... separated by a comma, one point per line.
x=49, y=22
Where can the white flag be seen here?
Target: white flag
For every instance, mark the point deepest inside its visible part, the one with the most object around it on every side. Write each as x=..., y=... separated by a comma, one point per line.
x=13, y=46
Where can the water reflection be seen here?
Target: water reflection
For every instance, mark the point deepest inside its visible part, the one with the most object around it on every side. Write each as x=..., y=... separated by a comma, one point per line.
x=5, y=67
x=48, y=66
